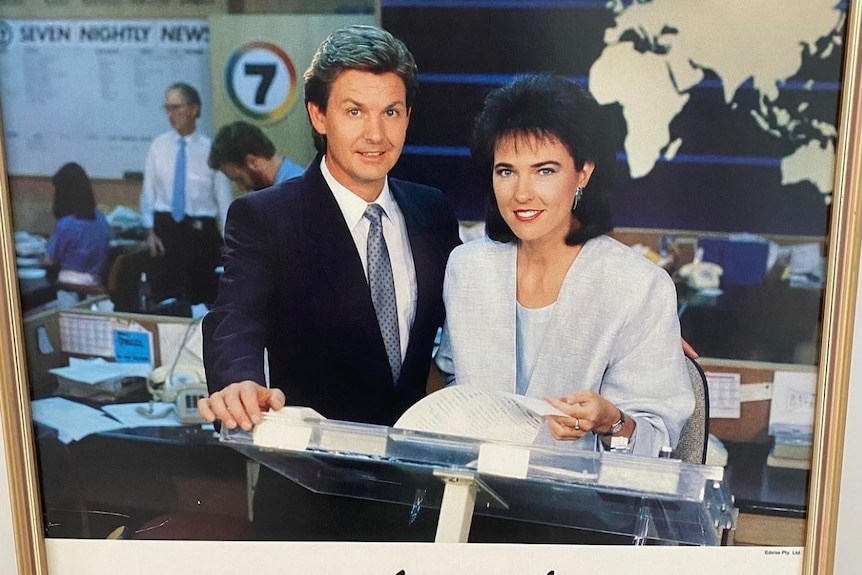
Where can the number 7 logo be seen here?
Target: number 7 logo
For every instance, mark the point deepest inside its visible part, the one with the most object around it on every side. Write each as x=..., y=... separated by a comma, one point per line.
x=261, y=81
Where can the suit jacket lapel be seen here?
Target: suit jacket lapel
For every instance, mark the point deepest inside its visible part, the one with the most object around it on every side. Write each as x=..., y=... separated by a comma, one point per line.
x=329, y=236
x=421, y=248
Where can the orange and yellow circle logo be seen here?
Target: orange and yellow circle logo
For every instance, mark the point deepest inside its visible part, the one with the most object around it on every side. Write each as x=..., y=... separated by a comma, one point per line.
x=261, y=81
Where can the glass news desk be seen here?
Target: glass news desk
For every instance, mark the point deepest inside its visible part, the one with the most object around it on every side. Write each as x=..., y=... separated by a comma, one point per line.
x=661, y=501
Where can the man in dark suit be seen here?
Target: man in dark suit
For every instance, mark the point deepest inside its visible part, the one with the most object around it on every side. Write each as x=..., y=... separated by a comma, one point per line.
x=296, y=283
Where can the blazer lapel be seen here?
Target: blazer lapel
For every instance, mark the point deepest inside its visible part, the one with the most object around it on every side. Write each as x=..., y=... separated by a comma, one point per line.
x=489, y=322
x=339, y=261
x=421, y=247
x=556, y=357
x=500, y=346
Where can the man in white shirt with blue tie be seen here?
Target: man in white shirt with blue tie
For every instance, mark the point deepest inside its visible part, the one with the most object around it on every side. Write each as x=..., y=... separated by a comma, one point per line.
x=183, y=205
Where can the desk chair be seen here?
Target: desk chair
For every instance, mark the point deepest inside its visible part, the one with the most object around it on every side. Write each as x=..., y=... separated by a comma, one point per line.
x=694, y=436
x=124, y=278
x=83, y=291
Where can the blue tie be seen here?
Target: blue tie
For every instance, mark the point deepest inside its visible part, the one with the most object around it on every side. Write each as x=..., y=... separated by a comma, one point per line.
x=179, y=201
x=383, y=289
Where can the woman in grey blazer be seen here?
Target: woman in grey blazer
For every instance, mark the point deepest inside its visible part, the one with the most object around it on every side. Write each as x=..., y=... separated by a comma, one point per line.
x=548, y=305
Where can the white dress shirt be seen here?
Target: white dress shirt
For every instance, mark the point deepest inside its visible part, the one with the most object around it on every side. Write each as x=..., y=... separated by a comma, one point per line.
x=394, y=232
x=208, y=191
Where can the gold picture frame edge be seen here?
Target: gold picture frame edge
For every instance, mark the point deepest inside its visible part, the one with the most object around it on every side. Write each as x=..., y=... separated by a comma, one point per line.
x=20, y=452
x=833, y=379
x=838, y=318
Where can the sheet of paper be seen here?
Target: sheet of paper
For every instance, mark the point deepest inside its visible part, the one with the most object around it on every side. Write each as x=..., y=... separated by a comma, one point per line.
x=44, y=340
x=755, y=392
x=73, y=421
x=96, y=370
x=471, y=411
x=724, y=394
x=792, y=411
x=806, y=259
x=185, y=339
x=155, y=414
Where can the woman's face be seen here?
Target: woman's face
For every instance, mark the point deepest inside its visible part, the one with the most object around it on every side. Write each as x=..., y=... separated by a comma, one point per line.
x=535, y=179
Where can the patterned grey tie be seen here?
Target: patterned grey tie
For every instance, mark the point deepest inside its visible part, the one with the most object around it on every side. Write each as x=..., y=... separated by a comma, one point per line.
x=383, y=288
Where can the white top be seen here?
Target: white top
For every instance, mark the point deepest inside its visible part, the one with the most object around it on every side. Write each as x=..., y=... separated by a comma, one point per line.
x=394, y=232
x=532, y=323
x=208, y=192
x=613, y=329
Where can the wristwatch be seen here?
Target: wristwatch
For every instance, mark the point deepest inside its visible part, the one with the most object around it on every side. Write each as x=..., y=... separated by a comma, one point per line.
x=616, y=427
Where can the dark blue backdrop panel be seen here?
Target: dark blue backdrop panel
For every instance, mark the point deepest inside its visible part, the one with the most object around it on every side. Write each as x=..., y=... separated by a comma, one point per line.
x=726, y=175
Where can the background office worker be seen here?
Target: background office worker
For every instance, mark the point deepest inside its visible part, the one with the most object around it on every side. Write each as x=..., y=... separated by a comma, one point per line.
x=297, y=282
x=79, y=245
x=247, y=157
x=183, y=204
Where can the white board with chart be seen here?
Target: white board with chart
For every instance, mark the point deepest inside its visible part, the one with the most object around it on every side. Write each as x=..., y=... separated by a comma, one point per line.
x=91, y=91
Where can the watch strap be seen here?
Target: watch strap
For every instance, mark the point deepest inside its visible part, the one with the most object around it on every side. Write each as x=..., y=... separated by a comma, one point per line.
x=616, y=427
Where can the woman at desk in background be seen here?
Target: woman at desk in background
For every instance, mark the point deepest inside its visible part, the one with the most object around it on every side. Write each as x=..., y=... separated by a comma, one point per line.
x=548, y=305
x=79, y=245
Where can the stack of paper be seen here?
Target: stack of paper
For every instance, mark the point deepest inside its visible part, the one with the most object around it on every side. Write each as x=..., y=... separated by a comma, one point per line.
x=100, y=380
x=791, y=420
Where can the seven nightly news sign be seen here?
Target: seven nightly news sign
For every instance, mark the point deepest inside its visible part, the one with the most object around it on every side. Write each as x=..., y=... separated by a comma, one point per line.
x=108, y=33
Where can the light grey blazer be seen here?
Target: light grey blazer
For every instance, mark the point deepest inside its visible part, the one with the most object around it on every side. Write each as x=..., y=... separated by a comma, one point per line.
x=614, y=329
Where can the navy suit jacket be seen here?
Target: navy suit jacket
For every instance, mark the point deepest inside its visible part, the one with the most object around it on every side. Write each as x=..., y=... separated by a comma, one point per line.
x=294, y=283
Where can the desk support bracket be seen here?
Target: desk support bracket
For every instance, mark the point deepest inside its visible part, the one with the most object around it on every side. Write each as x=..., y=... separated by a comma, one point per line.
x=459, y=500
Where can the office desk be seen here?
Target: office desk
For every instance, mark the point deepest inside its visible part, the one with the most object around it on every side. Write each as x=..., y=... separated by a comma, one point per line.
x=36, y=292
x=129, y=477
x=770, y=322
x=772, y=501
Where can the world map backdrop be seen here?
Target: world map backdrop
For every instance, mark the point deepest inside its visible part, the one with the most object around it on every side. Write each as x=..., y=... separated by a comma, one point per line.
x=723, y=113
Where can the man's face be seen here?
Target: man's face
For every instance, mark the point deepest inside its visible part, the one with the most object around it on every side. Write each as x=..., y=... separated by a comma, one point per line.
x=245, y=177
x=181, y=115
x=365, y=125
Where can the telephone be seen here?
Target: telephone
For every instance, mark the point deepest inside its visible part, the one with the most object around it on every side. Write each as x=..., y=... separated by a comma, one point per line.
x=701, y=275
x=182, y=385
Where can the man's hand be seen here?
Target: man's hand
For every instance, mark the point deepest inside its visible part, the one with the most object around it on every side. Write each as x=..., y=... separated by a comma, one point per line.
x=154, y=244
x=240, y=404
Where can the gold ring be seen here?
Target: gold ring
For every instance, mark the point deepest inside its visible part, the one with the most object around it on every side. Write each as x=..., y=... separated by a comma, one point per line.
x=577, y=424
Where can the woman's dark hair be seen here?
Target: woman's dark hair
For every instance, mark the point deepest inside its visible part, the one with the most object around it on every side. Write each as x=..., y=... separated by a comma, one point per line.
x=73, y=193
x=548, y=106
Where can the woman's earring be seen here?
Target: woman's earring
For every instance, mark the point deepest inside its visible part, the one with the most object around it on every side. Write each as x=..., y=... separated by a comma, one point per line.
x=578, y=193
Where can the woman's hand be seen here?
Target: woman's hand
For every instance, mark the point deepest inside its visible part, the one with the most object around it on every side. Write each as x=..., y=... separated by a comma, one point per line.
x=585, y=411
